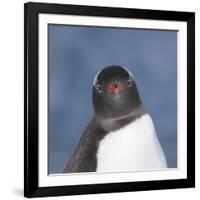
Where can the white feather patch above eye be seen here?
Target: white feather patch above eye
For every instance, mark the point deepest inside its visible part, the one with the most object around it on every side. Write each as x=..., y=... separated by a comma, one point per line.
x=95, y=78
x=129, y=72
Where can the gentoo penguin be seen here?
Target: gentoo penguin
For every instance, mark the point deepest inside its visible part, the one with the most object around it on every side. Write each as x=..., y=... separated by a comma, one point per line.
x=121, y=134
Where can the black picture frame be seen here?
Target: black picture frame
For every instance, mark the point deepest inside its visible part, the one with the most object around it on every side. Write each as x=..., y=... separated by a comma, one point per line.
x=31, y=83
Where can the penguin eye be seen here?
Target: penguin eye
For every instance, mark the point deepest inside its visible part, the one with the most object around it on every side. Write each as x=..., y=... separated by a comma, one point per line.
x=129, y=82
x=98, y=87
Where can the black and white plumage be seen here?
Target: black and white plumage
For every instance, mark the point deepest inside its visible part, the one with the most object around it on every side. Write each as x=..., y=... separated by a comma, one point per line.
x=121, y=135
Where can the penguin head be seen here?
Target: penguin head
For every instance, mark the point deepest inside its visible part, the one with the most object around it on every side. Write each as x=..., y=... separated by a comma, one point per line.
x=115, y=92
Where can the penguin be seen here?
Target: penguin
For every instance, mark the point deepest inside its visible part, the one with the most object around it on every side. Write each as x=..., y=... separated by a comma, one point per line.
x=121, y=135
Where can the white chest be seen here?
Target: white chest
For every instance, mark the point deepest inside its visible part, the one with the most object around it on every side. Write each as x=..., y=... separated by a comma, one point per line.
x=133, y=147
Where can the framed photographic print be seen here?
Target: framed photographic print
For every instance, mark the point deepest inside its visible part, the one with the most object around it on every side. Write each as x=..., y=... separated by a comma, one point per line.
x=109, y=99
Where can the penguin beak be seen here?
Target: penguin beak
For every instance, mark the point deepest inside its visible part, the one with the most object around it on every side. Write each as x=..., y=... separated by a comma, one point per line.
x=114, y=88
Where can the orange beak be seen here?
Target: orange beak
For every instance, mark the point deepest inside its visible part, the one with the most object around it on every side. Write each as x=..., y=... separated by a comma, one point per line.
x=114, y=88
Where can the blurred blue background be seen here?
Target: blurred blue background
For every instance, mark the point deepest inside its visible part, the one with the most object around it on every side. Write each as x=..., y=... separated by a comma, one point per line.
x=77, y=53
